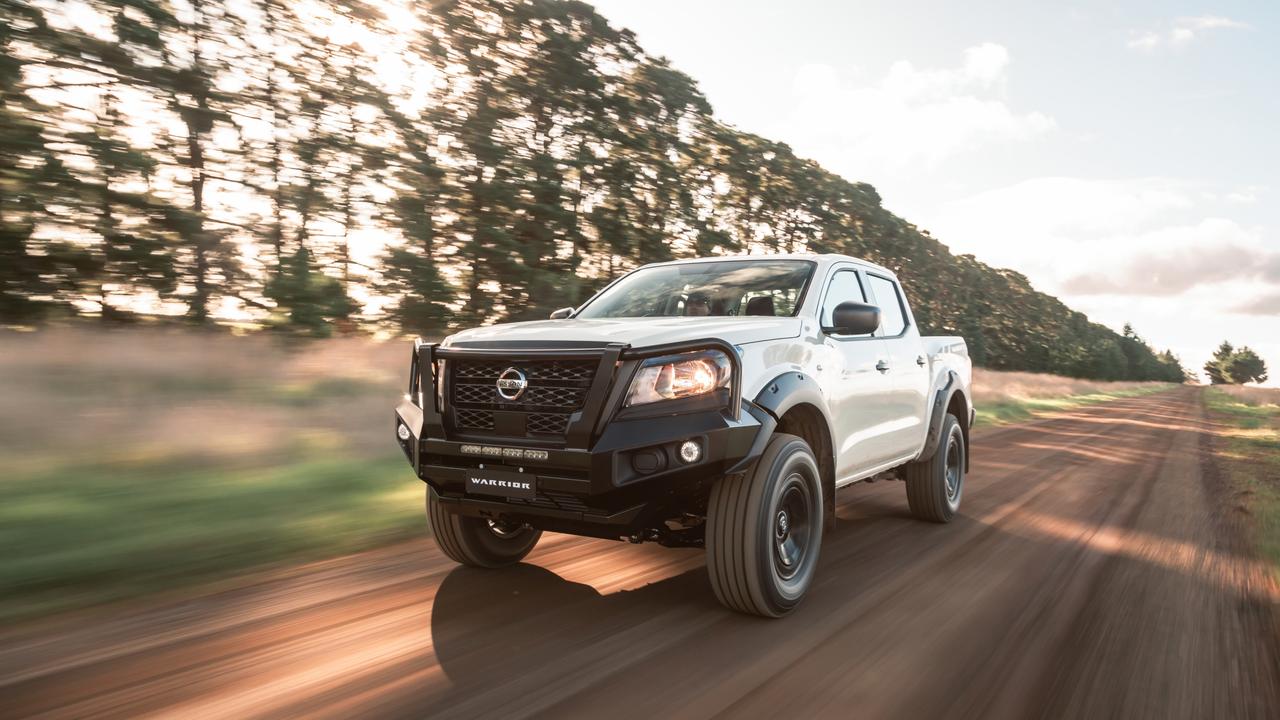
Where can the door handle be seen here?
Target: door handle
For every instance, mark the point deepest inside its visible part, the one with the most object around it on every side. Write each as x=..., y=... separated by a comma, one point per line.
x=921, y=361
x=882, y=366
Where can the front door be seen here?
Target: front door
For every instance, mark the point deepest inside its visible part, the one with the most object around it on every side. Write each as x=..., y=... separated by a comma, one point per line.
x=856, y=384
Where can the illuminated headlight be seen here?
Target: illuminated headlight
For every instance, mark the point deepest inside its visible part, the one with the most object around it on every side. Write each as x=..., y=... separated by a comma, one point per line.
x=679, y=376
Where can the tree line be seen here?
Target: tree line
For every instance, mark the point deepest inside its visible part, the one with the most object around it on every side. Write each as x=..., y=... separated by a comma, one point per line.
x=318, y=167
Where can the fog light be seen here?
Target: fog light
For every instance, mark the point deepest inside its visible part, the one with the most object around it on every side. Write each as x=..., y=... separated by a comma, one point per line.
x=690, y=451
x=403, y=432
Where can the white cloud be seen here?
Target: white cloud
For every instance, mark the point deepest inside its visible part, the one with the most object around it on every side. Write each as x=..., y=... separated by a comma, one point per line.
x=1211, y=22
x=1245, y=196
x=1262, y=305
x=912, y=117
x=1181, y=32
x=1012, y=225
x=1153, y=251
x=1172, y=260
x=1078, y=236
x=1145, y=41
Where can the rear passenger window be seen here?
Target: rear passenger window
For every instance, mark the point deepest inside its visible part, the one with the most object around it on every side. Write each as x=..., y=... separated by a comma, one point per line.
x=845, y=286
x=893, y=319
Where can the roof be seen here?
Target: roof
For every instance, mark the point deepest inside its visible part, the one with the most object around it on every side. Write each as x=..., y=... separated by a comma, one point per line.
x=823, y=259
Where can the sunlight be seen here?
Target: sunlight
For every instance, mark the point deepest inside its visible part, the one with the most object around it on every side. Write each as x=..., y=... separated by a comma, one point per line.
x=1247, y=577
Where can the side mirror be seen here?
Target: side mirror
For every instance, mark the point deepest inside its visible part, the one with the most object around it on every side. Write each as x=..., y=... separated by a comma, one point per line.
x=854, y=318
x=562, y=314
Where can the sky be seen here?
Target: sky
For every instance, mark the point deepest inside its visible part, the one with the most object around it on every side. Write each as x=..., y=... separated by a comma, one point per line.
x=1122, y=156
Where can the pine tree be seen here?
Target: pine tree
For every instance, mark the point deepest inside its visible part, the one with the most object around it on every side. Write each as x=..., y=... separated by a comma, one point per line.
x=1245, y=366
x=313, y=301
x=26, y=164
x=1219, y=366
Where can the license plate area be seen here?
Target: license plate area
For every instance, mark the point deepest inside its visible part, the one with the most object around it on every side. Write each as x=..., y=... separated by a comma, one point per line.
x=501, y=483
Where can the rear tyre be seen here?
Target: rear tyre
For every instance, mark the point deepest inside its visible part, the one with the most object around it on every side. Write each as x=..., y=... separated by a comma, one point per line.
x=478, y=542
x=764, y=530
x=936, y=484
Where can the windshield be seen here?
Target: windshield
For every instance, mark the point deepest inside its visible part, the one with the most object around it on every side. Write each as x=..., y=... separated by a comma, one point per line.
x=770, y=288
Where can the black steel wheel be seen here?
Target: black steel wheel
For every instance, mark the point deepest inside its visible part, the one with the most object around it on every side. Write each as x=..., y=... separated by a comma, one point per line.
x=935, y=485
x=764, y=530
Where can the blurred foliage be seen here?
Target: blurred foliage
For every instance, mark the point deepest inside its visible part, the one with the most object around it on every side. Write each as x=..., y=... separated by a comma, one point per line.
x=81, y=535
x=1008, y=411
x=166, y=457
x=1003, y=397
x=528, y=154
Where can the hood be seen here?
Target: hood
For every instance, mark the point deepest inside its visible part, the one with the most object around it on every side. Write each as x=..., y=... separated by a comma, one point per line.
x=636, y=332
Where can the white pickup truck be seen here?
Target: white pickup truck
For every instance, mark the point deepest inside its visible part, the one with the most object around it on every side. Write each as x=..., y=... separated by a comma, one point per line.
x=718, y=402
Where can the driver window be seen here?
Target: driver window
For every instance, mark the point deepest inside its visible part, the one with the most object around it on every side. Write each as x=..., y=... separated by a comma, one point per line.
x=845, y=286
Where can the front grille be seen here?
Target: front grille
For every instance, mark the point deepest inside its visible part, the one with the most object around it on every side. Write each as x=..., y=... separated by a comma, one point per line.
x=557, y=388
x=479, y=394
x=475, y=419
x=550, y=370
x=549, y=423
x=561, y=397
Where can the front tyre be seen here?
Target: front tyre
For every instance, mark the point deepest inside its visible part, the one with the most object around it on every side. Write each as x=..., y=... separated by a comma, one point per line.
x=764, y=530
x=478, y=542
x=936, y=484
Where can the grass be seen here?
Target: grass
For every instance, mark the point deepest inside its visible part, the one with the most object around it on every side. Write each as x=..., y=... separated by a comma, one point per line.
x=1248, y=452
x=1004, y=398
x=141, y=460
x=137, y=461
x=79, y=535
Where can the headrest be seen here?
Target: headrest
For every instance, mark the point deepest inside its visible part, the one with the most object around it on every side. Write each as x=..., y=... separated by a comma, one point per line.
x=760, y=305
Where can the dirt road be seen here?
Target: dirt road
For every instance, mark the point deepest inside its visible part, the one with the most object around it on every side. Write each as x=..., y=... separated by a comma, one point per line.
x=1094, y=573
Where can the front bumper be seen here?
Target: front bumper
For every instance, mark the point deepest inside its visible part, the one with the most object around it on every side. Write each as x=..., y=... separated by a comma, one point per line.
x=599, y=488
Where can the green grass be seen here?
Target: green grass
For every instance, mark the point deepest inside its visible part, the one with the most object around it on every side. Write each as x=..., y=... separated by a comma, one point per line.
x=81, y=535
x=1016, y=411
x=1249, y=455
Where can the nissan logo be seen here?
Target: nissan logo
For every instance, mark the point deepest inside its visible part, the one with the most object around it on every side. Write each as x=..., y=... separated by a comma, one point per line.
x=512, y=383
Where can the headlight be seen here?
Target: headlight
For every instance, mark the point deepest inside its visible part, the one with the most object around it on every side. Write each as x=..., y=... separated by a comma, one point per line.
x=679, y=376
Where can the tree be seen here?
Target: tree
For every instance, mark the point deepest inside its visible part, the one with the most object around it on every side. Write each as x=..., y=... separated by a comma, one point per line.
x=311, y=300
x=26, y=165
x=1245, y=367
x=1235, y=366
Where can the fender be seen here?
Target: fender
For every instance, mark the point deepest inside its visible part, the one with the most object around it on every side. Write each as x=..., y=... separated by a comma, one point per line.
x=938, y=413
x=788, y=390
x=778, y=396
x=772, y=402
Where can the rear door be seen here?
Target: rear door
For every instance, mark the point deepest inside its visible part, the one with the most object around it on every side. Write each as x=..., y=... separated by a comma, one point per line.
x=861, y=407
x=907, y=373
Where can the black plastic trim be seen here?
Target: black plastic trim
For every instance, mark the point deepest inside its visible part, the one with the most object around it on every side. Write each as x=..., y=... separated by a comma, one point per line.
x=492, y=508
x=424, y=374
x=768, y=424
x=937, y=414
x=569, y=351
x=788, y=390
x=581, y=430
